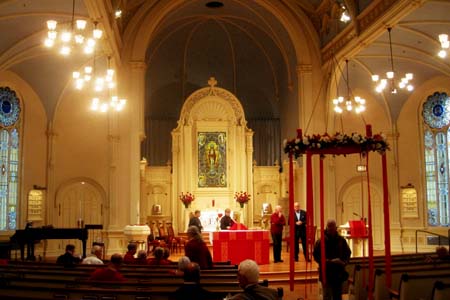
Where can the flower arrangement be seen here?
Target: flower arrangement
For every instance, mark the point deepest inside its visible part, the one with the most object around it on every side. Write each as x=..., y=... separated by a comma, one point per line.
x=242, y=198
x=187, y=199
x=339, y=141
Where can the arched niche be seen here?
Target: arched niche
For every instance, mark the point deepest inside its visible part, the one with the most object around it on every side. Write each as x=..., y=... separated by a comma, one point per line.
x=212, y=118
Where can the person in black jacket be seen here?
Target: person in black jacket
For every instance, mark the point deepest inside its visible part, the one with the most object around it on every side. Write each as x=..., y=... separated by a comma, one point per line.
x=68, y=259
x=195, y=221
x=300, y=231
x=191, y=288
x=337, y=255
x=226, y=222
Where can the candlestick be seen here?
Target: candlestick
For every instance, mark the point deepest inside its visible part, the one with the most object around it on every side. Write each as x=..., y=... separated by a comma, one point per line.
x=299, y=133
x=368, y=130
x=213, y=202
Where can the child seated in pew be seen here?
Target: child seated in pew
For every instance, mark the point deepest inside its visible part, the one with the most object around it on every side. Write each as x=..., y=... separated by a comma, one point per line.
x=159, y=258
x=111, y=272
x=129, y=256
x=141, y=257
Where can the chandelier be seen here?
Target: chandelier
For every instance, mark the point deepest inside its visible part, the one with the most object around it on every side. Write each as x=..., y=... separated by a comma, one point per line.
x=390, y=80
x=349, y=103
x=103, y=87
x=72, y=35
x=443, y=39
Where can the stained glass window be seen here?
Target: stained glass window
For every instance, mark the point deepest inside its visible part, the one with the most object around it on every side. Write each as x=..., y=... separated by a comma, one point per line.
x=436, y=117
x=9, y=157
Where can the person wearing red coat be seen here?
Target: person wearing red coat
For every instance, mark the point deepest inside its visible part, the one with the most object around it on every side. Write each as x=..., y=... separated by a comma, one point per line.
x=111, y=272
x=277, y=222
x=197, y=250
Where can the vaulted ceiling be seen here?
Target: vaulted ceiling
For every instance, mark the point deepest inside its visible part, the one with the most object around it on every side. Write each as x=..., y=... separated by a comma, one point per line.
x=250, y=43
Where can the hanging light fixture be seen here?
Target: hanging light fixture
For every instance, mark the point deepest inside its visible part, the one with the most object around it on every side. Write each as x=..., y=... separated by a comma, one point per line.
x=390, y=80
x=71, y=35
x=345, y=17
x=443, y=39
x=104, y=88
x=349, y=103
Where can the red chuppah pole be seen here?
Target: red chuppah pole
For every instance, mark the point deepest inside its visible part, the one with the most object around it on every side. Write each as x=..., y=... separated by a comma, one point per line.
x=369, y=218
x=387, y=227
x=291, y=223
x=322, y=226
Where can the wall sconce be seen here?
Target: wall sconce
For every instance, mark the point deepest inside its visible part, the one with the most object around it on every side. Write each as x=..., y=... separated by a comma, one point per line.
x=361, y=168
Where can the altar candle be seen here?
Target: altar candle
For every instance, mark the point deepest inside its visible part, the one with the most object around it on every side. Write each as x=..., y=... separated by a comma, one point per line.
x=213, y=202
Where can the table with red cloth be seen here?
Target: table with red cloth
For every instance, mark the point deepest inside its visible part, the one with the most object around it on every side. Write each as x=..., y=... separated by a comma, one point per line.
x=238, y=245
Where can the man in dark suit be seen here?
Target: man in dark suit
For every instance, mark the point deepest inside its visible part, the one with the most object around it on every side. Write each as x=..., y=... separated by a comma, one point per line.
x=195, y=221
x=300, y=231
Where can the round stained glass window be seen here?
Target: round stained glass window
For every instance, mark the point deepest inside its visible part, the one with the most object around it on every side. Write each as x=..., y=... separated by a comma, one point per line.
x=9, y=107
x=436, y=110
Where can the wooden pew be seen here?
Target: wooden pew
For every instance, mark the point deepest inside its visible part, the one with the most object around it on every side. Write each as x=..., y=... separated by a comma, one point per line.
x=441, y=291
x=381, y=292
x=358, y=281
x=414, y=287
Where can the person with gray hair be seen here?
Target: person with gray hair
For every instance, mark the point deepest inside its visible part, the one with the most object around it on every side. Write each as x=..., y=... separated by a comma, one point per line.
x=191, y=288
x=95, y=257
x=248, y=277
x=197, y=250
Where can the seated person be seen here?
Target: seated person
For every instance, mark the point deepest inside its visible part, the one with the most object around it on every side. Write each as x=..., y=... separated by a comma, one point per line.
x=191, y=288
x=68, y=259
x=111, y=272
x=166, y=255
x=129, y=256
x=141, y=257
x=95, y=258
x=182, y=264
x=159, y=258
x=248, y=277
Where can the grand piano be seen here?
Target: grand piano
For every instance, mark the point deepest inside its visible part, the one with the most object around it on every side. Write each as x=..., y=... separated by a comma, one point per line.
x=28, y=237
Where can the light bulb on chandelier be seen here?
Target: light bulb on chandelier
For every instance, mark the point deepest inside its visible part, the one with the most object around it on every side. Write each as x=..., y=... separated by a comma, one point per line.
x=71, y=35
x=390, y=80
x=349, y=103
x=443, y=40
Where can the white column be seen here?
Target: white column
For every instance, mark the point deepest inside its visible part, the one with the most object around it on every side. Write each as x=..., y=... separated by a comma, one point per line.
x=137, y=133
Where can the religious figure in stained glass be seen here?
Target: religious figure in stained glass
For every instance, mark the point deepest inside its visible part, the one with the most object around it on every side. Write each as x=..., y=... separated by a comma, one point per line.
x=212, y=159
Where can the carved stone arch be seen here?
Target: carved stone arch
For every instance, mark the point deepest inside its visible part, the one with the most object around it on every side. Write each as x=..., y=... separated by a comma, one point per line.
x=216, y=104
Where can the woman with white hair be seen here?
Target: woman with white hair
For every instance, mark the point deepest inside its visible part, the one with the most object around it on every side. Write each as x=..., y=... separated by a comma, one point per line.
x=248, y=277
x=196, y=249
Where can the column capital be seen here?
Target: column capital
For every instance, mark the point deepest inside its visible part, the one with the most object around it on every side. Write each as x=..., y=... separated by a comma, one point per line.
x=304, y=68
x=138, y=64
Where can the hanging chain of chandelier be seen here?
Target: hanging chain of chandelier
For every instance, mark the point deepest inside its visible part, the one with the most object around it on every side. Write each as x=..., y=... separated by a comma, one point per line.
x=69, y=38
x=390, y=80
x=349, y=103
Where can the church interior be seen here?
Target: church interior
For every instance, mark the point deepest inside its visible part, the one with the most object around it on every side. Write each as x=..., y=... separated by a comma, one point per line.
x=185, y=105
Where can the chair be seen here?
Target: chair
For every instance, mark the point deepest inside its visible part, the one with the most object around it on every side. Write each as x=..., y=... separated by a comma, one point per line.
x=152, y=240
x=172, y=241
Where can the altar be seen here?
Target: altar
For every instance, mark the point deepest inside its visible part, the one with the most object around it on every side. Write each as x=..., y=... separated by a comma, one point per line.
x=238, y=245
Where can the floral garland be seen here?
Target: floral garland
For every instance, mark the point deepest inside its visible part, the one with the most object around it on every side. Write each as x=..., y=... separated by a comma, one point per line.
x=325, y=142
x=242, y=198
x=187, y=199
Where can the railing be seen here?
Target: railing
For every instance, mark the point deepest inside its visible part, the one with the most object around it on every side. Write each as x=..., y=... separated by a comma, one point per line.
x=434, y=234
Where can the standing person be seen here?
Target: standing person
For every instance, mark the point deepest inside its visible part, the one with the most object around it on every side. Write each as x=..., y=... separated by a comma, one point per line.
x=95, y=258
x=277, y=221
x=337, y=254
x=300, y=231
x=248, y=277
x=226, y=222
x=196, y=249
x=68, y=259
x=111, y=272
x=195, y=221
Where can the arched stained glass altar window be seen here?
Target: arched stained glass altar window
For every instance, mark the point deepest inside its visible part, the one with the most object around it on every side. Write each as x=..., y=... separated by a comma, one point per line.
x=9, y=157
x=436, y=117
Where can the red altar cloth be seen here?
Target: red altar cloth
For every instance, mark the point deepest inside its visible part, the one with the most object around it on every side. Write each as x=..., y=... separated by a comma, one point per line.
x=238, y=245
x=238, y=226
